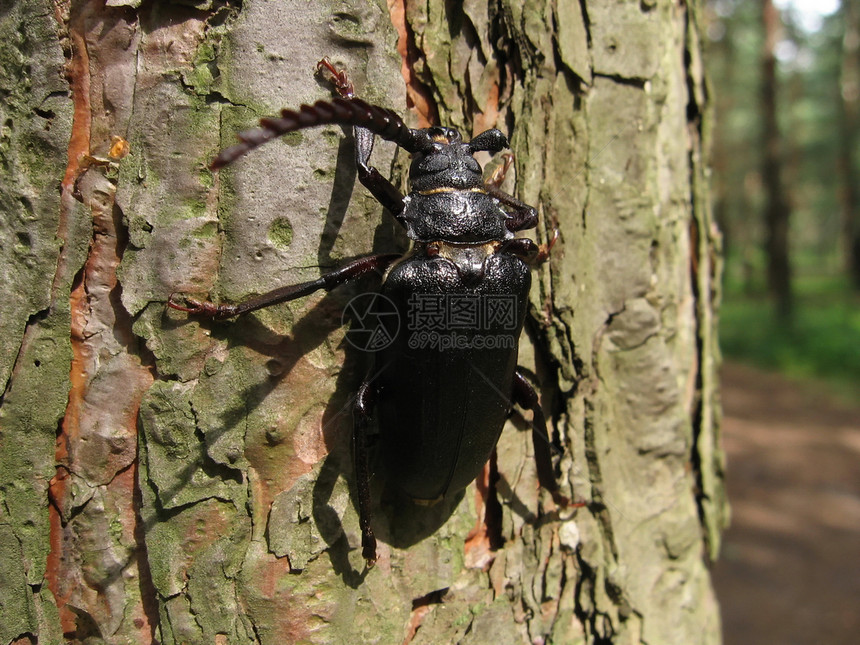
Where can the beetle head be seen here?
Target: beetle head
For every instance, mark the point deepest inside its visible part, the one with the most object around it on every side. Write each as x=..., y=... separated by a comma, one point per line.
x=446, y=162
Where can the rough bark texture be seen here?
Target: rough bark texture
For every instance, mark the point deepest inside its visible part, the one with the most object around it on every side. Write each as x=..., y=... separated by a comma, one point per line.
x=183, y=482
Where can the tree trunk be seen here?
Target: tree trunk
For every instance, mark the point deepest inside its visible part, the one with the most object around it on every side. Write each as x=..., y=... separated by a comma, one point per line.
x=176, y=481
x=848, y=138
x=777, y=208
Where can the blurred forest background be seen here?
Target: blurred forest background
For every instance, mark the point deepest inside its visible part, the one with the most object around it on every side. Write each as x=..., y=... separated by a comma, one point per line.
x=785, y=78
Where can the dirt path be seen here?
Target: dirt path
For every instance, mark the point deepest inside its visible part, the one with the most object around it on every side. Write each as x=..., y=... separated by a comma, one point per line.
x=789, y=572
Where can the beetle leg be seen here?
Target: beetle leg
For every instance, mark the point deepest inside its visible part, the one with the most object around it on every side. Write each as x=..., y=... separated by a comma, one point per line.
x=382, y=190
x=522, y=216
x=527, y=250
x=329, y=281
x=525, y=396
x=498, y=177
x=201, y=307
x=364, y=402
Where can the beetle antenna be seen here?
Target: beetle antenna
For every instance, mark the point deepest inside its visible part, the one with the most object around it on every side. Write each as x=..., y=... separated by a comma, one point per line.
x=355, y=112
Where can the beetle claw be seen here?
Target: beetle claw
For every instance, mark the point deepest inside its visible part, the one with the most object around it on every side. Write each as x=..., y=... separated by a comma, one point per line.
x=368, y=550
x=498, y=176
x=545, y=249
x=338, y=77
x=194, y=307
x=562, y=501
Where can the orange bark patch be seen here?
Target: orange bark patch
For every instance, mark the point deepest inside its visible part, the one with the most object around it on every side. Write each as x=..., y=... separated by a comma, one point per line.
x=77, y=73
x=97, y=440
x=417, y=94
x=489, y=118
x=292, y=614
x=478, y=546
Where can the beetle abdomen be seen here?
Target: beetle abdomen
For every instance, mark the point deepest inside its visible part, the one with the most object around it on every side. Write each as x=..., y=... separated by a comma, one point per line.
x=445, y=383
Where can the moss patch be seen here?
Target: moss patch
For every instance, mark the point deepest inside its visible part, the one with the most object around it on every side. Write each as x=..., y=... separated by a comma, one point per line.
x=281, y=233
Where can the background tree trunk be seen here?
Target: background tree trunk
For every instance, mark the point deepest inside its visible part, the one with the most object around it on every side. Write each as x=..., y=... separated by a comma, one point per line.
x=848, y=137
x=777, y=208
x=169, y=480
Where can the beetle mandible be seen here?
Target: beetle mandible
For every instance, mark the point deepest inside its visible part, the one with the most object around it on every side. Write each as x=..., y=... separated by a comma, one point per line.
x=440, y=405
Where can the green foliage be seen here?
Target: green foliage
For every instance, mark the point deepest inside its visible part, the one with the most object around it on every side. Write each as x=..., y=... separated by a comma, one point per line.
x=822, y=340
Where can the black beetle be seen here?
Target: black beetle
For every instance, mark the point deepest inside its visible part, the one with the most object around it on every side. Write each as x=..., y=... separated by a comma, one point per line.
x=442, y=391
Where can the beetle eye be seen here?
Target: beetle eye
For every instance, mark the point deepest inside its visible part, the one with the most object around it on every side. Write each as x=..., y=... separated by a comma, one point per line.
x=437, y=135
x=445, y=136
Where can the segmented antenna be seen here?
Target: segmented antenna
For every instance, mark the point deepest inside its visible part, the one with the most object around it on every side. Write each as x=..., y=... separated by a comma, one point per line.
x=356, y=112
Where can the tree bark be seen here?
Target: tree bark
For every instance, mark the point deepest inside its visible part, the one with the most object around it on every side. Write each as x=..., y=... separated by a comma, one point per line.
x=176, y=481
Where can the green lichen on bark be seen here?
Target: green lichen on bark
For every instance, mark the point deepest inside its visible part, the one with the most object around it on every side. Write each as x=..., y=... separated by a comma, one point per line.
x=35, y=120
